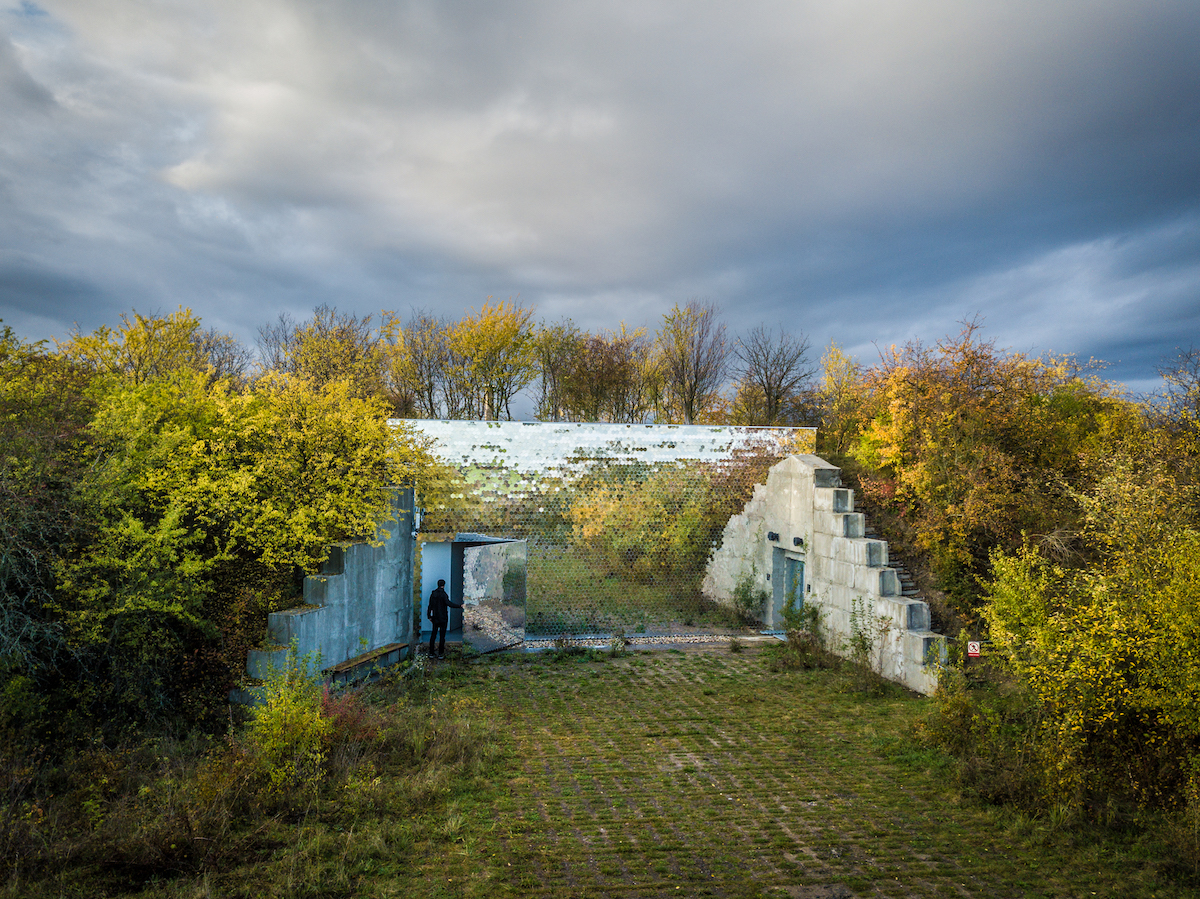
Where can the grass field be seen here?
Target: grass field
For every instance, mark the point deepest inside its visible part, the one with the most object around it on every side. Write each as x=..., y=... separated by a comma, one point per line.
x=707, y=772
x=568, y=593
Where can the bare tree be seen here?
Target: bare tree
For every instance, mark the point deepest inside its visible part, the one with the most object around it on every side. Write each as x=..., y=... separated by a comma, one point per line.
x=227, y=356
x=1183, y=389
x=693, y=355
x=604, y=379
x=425, y=337
x=774, y=369
x=275, y=342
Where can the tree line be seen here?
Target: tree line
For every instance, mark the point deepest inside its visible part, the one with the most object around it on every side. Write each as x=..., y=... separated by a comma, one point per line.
x=690, y=371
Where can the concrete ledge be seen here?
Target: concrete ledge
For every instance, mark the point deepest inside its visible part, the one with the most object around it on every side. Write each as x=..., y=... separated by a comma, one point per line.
x=867, y=581
x=300, y=624
x=335, y=562
x=260, y=662
x=918, y=616
x=924, y=655
x=839, y=524
x=361, y=666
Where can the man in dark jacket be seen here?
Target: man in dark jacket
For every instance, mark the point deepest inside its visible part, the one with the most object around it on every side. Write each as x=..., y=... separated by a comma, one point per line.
x=439, y=613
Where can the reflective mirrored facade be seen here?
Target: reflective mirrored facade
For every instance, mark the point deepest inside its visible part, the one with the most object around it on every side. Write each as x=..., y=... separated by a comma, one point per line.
x=618, y=521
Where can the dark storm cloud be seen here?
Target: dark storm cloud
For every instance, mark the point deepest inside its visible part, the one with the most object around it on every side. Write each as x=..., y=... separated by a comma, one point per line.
x=867, y=172
x=31, y=288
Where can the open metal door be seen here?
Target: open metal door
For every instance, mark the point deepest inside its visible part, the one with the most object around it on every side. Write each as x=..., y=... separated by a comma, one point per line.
x=492, y=589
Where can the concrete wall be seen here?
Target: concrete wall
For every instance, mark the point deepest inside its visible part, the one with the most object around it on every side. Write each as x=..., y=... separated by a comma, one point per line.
x=360, y=602
x=816, y=530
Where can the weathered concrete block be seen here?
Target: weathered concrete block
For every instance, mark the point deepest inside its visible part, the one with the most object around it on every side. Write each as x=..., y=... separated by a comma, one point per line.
x=862, y=580
x=826, y=476
x=860, y=551
x=876, y=553
x=869, y=581
x=335, y=562
x=840, y=572
x=924, y=655
x=838, y=524
x=827, y=523
x=833, y=500
x=891, y=614
x=262, y=661
x=918, y=616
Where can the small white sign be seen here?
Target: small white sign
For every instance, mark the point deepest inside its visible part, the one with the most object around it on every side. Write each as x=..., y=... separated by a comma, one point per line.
x=973, y=649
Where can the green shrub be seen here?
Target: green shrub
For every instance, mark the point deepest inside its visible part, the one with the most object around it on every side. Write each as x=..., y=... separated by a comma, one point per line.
x=991, y=730
x=749, y=600
x=863, y=645
x=807, y=645
x=288, y=737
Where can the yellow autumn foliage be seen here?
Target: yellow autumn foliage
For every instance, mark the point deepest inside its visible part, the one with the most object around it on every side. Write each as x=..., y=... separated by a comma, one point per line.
x=648, y=529
x=1111, y=651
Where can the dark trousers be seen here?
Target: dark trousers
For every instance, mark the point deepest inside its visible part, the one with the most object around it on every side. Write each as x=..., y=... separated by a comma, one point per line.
x=439, y=627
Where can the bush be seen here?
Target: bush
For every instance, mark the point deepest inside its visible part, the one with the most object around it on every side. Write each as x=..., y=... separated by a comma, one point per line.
x=1107, y=651
x=288, y=738
x=979, y=445
x=806, y=639
x=991, y=730
x=749, y=600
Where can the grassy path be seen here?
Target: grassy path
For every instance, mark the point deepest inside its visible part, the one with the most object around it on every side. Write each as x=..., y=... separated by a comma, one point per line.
x=660, y=773
x=709, y=774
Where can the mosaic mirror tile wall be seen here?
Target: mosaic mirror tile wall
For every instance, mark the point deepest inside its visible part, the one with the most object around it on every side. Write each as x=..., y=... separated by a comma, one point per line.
x=618, y=522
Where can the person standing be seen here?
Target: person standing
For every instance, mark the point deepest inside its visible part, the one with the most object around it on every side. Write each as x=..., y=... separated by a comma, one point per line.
x=439, y=614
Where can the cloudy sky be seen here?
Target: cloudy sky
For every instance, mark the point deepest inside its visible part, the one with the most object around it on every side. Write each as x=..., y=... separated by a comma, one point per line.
x=864, y=172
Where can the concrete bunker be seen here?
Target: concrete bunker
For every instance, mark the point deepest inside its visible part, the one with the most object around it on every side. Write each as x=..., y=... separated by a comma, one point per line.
x=797, y=539
x=618, y=520
x=800, y=535
x=357, y=610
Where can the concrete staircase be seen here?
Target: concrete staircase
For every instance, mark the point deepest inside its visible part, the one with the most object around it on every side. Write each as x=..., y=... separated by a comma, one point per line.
x=908, y=583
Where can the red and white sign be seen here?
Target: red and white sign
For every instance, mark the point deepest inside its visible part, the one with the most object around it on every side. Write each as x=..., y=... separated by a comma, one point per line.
x=973, y=649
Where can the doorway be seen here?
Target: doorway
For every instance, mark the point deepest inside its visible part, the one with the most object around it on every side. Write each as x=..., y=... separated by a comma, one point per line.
x=787, y=581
